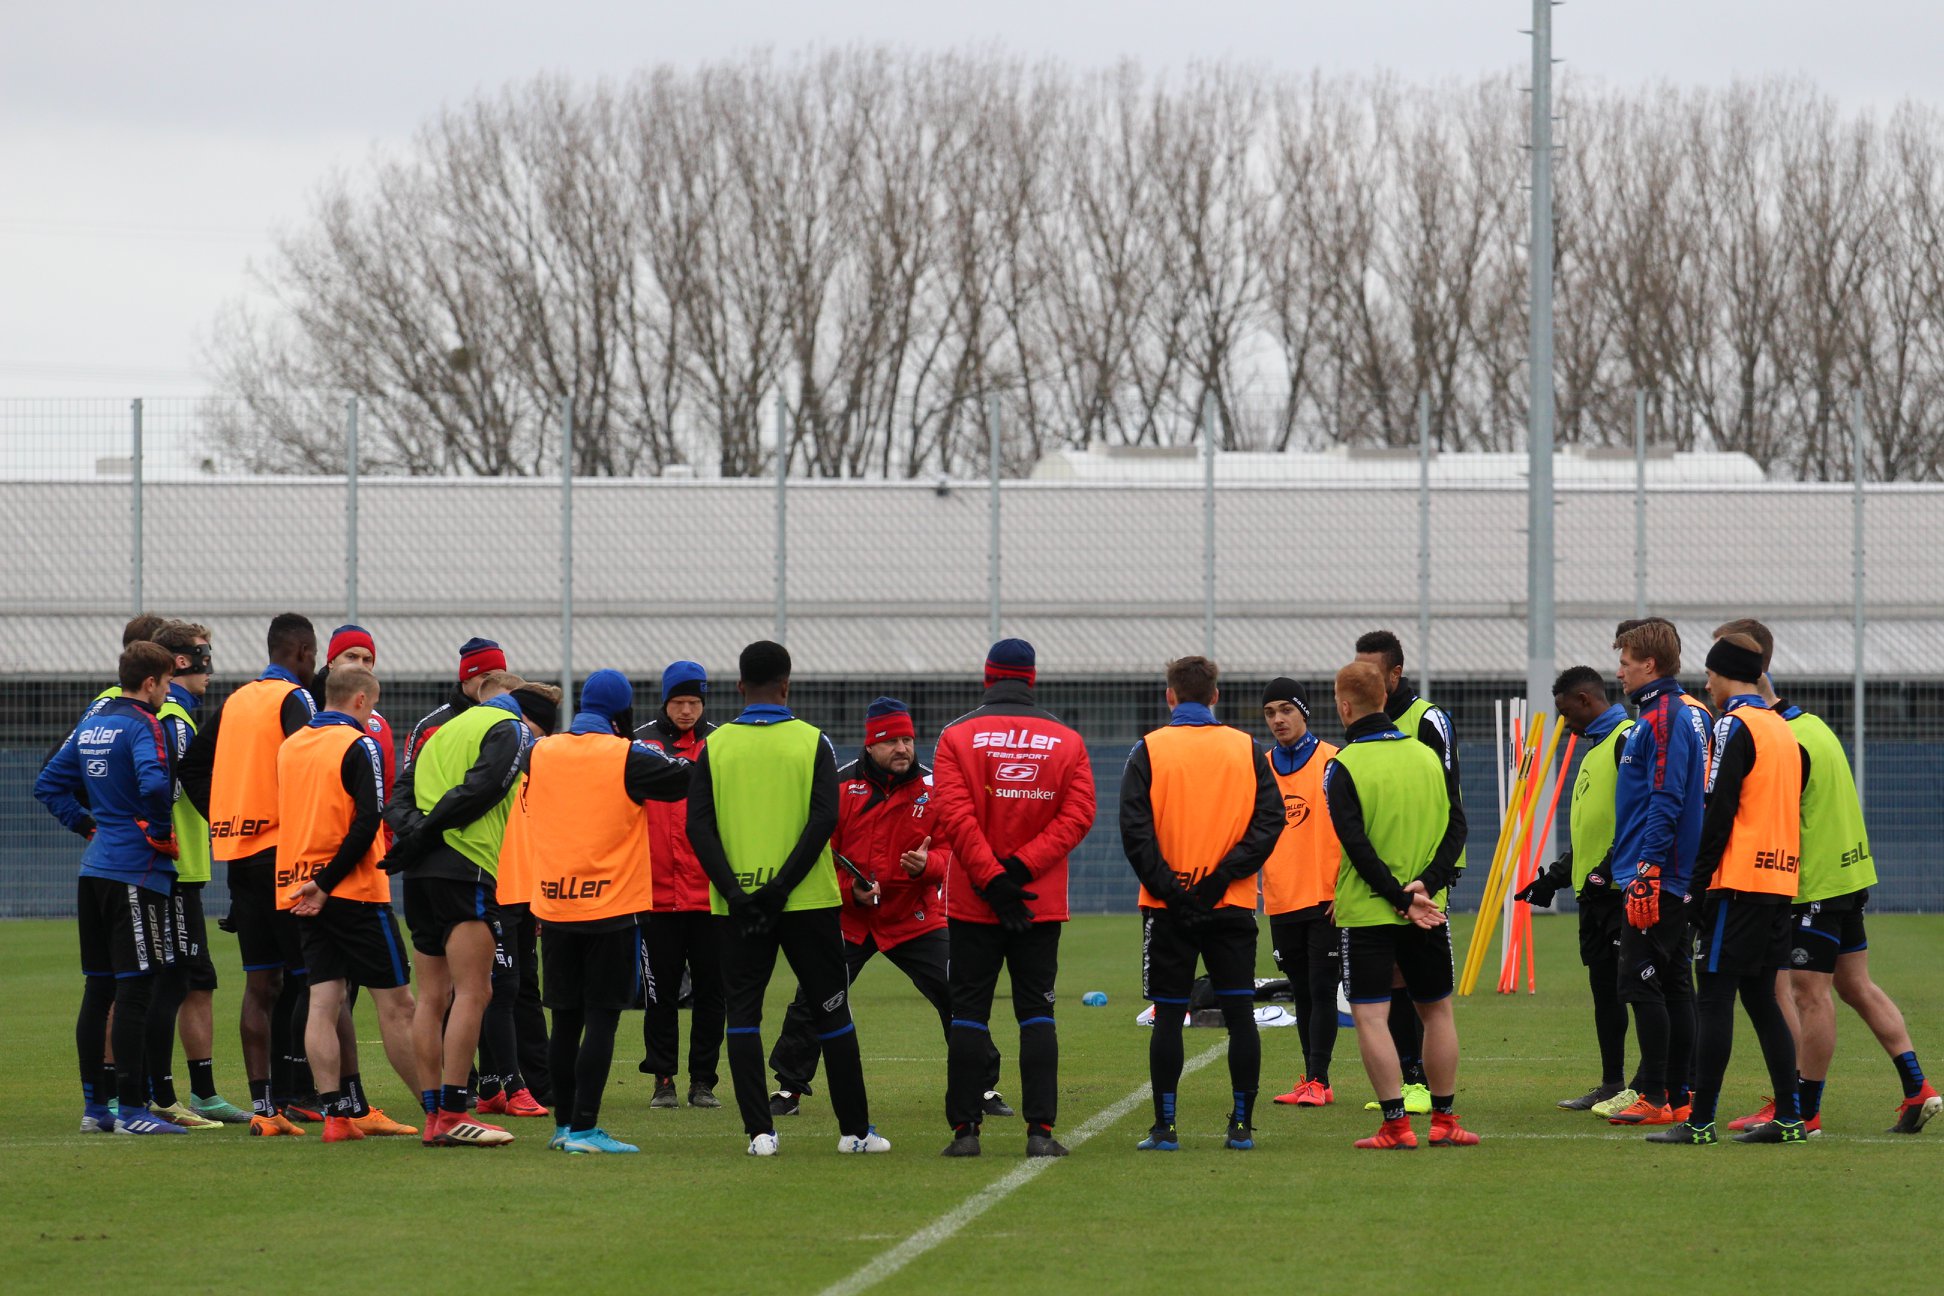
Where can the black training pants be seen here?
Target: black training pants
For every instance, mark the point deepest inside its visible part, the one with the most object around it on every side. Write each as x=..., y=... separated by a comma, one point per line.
x=1032, y=959
x=813, y=944
x=926, y=959
x=675, y=941
x=1306, y=951
x=529, y=1019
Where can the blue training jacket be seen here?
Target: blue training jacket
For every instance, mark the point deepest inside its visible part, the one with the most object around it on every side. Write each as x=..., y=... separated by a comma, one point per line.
x=1659, y=796
x=120, y=756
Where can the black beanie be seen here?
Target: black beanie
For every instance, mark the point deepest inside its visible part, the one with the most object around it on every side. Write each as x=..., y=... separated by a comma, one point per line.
x=1732, y=661
x=1285, y=689
x=540, y=709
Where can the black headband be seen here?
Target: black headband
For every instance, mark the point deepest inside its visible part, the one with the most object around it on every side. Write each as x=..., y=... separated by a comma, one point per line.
x=1732, y=661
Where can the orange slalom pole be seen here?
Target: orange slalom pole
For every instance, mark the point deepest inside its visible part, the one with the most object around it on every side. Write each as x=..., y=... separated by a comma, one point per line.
x=1539, y=849
x=1496, y=881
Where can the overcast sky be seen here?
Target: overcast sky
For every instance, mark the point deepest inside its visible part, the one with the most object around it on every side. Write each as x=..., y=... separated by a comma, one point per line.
x=151, y=151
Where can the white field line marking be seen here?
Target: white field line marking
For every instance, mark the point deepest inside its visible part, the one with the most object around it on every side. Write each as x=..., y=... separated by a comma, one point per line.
x=947, y=1226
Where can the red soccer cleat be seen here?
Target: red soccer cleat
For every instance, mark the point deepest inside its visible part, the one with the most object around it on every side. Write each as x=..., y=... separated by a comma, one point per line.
x=521, y=1102
x=1643, y=1113
x=1760, y=1117
x=1447, y=1132
x=1391, y=1135
x=494, y=1105
x=309, y=1115
x=1916, y=1112
x=1295, y=1094
x=1314, y=1093
x=341, y=1129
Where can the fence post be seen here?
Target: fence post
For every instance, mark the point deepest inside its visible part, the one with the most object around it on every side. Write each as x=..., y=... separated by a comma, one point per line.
x=135, y=502
x=1640, y=502
x=1856, y=579
x=1541, y=654
x=1208, y=524
x=567, y=553
x=1424, y=543
x=782, y=522
x=351, y=509
x=992, y=525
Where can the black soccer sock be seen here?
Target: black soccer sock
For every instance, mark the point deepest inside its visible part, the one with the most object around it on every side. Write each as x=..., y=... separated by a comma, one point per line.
x=260, y=1100
x=110, y=1080
x=1393, y=1108
x=1683, y=1033
x=1323, y=1021
x=1809, y=1095
x=1303, y=996
x=1244, y=1043
x=452, y=1098
x=91, y=1039
x=202, y=1078
x=563, y=1053
x=1407, y=1034
x=1609, y=1023
x=1714, y=1017
x=332, y=1102
x=965, y=1068
x=282, y=1080
x=591, y=1069
x=354, y=1095
x=302, y=1083
x=1650, y=1033
x=159, y=1043
x=1778, y=1045
x=1909, y=1074
x=132, y=997
x=1166, y=1054
x=1039, y=1070
x=1441, y=1103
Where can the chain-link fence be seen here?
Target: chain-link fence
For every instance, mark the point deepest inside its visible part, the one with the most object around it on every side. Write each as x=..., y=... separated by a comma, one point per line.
x=1110, y=561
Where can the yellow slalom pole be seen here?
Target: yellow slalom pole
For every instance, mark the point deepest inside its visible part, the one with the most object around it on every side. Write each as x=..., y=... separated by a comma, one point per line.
x=1532, y=781
x=1481, y=929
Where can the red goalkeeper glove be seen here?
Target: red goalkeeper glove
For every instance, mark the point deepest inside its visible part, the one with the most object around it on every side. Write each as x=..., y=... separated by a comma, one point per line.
x=1643, y=898
x=160, y=845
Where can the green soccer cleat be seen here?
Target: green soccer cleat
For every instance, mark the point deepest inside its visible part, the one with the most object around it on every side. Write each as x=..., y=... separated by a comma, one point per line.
x=179, y=1114
x=1685, y=1133
x=218, y=1109
x=1613, y=1106
x=1417, y=1099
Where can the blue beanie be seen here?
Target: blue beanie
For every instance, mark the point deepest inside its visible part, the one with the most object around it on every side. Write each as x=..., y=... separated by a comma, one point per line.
x=606, y=693
x=684, y=679
x=1010, y=659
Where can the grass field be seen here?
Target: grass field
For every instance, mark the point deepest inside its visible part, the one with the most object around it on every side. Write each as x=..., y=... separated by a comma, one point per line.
x=1551, y=1201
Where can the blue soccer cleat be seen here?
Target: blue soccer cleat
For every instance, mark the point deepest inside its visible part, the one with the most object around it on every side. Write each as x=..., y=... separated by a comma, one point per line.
x=1161, y=1138
x=594, y=1140
x=559, y=1139
x=97, y=1118
x=143, y=1121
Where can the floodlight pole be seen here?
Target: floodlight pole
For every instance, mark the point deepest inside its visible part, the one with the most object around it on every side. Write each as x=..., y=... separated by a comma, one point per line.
x=351, y=510
x=1540, y=654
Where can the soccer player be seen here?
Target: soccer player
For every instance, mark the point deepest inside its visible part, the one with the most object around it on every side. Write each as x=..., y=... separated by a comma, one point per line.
x=679, y=932
x=119, y=758
x=352, y=645
x=1657, y=803
x=1014, y=796
x=449, y=818
x=1580, y=699
x=477, y=659
x=330, y=805
x=1299, y=886
x=515, y=1026
x=592, y=863
x=884, y=829
x=189, y=645
x=762, y=805
x=1199, y=815
x=230, y=775
x=1389, y=802
x=1830, y=946
x=1750, y=852
x=1416, y=718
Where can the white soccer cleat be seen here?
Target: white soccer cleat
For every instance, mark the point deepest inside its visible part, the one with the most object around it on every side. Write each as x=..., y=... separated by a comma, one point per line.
x=763, y=1145
x=870, y=1141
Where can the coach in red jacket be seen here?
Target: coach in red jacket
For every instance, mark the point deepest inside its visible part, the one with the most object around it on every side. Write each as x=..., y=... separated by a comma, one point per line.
x=679, y=933
x=884, y=829
x=1014, y=794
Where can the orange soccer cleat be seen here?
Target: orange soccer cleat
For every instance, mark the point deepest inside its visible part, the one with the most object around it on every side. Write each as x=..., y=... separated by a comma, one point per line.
x=1643, y=1112
x=1295, y=1094
x=1447, y=1132
x=1763, y=1116
x=1390, y=1135
x=275, y=1127
x=521, y=1102
x=375, y=1124
x=1314, y=1093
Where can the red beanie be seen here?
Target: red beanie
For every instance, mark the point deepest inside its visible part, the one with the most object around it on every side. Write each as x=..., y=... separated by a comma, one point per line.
x=347, y=637
x=886, y=719
x=477, y=656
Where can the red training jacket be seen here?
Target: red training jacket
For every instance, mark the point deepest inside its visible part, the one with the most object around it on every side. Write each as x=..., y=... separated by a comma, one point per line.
x=680, y=886
x=1011, y=780
x=878, y=820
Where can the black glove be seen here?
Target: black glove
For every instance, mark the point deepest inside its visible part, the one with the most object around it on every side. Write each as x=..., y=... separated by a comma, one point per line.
x=761, y=908
x=86, y=828
x=409, y=850
x=1210, y=890
x=1600, y=878
x=1190, y=910
x=1016, y=871
x=1008, y=901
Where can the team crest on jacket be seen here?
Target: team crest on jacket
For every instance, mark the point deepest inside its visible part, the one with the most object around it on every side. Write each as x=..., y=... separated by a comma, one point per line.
x=1295, y=810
